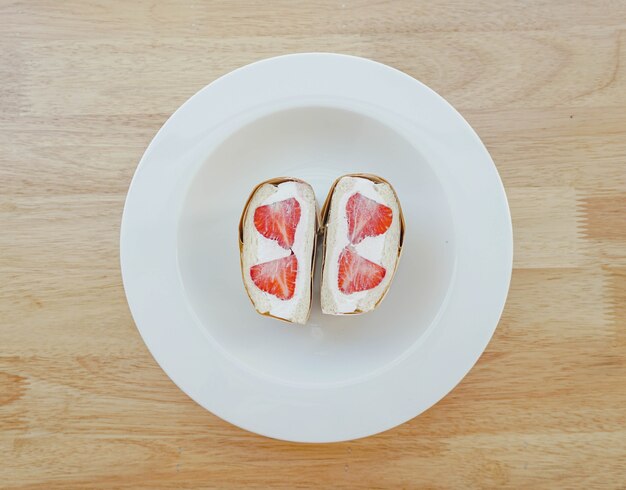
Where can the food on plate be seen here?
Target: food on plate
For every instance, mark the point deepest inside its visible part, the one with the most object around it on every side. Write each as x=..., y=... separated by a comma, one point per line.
x=277, y=237
x=363, y=233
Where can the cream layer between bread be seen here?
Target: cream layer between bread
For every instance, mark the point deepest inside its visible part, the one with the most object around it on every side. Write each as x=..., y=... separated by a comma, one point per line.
x=371, y=248
x=269, y=249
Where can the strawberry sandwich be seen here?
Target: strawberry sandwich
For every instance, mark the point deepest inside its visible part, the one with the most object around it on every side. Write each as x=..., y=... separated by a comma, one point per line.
x=277, y=237
x=364, y=229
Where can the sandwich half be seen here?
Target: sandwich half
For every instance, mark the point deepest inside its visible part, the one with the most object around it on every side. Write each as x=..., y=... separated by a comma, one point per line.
x=363, y=233
x=277, y=237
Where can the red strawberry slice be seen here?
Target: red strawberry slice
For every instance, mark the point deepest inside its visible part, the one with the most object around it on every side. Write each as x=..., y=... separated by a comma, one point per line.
x=357, y=273
x=277, y=277
x=366, y=218
x=278, y=221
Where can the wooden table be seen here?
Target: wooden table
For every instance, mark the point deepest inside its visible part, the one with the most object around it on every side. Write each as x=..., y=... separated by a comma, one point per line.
x=84, y=86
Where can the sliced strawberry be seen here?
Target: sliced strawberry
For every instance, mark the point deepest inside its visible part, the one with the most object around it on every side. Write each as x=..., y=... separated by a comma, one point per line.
x=277, y=277
x=278, y=221
x=366, y=218
x=357, y=273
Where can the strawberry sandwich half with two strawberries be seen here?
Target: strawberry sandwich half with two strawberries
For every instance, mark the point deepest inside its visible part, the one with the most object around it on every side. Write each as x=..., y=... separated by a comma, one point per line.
x=277, y=238
x=363, y=234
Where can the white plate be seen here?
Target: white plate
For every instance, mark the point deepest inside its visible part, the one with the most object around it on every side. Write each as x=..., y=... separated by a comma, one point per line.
x=316, y=117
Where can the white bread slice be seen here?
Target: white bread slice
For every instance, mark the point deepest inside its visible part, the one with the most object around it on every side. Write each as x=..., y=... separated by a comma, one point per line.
x=256, y=248
x=383, y=249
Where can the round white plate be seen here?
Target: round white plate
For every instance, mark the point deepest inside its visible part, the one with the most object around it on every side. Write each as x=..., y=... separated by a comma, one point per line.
x=316, y=117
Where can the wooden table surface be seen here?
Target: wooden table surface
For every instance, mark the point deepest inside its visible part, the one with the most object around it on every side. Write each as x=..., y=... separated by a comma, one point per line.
x=84, y=86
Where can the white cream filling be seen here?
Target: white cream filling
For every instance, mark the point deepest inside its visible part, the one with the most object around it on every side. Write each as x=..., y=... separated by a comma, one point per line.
x=268, y=249
x=370, y=248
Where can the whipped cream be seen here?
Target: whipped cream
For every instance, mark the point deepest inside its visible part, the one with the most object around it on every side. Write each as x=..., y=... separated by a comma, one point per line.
x=268, y=249
x=370, y=248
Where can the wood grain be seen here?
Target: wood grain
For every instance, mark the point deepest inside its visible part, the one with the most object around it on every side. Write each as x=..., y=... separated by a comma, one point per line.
x=84, y=87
